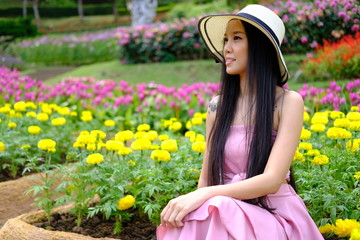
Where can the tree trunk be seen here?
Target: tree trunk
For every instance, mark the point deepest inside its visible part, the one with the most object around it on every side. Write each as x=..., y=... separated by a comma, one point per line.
x=24, y=8
x=142, y=12
x=36, y=13
x=115, y=11
x=81, y=11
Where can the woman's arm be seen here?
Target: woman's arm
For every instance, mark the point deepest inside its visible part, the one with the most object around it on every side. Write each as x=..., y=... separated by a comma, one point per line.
x=210, y=118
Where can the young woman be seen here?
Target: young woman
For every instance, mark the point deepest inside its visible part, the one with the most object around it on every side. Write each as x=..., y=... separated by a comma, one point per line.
x=252, y=129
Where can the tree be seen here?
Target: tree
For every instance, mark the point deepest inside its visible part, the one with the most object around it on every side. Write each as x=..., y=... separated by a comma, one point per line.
x=24, y=8
x=36, y=13
x=115, y=11
x=142, y=11
x=80, y=10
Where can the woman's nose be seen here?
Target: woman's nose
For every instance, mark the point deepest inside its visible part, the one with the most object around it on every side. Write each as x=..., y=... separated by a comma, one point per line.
x=227, y=47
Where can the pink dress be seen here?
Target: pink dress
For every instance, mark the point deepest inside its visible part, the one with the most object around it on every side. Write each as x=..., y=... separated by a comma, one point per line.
x=226, y=218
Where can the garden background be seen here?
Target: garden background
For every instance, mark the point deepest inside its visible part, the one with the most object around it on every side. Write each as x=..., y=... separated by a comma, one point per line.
x=91, y=99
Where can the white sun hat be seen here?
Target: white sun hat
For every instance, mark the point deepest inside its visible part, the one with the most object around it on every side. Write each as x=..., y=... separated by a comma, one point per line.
x=212, y=29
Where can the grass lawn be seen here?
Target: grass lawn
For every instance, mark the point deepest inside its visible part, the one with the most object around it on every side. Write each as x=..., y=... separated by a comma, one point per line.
x=174, y=73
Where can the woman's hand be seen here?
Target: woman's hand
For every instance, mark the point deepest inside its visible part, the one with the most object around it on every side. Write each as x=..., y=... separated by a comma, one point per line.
x=179, y=207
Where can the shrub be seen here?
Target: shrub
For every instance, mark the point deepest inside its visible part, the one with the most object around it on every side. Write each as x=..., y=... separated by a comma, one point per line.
x=307, y=24
x=337, y=60
x=21, y=27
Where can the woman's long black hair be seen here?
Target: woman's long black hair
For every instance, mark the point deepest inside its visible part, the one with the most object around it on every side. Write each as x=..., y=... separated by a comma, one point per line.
x=263, y=77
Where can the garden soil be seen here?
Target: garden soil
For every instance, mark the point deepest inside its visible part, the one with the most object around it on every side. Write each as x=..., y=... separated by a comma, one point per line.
x=31, y=226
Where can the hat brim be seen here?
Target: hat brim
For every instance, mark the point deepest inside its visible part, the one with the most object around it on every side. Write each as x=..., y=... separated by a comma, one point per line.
x=212, y=29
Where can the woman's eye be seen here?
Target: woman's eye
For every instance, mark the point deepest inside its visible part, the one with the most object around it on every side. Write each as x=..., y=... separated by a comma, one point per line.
x=225, y=40
x=237, y=38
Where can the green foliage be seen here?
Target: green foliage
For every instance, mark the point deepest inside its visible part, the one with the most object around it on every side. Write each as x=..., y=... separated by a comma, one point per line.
x=20, y=27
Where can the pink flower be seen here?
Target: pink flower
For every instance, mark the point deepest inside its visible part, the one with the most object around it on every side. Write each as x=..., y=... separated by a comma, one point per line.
x=303, y=39
x=196, y=45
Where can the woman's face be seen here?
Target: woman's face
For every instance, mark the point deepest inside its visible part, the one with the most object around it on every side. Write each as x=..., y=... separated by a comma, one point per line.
x=235, y=48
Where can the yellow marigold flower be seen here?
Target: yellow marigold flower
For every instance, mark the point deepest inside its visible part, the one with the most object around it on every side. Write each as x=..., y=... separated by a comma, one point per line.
x=113, y=145
x=353, y=145
x=151, y=135
x=336, y=114
x=100, y=144
x=143, y=127
x=12, y=125
x=5, y=109
x=204, y=115
x=124, y=151
x=19, y=115
x=342, y=122
x=357, y=175
x=163, y=137
x=198, y=147
x=194, y=170
x=86, y=139
x=354, y=108
x=197, y=138
x=188, y=125
x=78, y=144
x=176, y=126
x=25, y=146
x=58, y=121
x=355, y=126
x=47, y=145
x=124, y=136
x=31, y=114
x=12, y=113
x=355, y=234
x=318, y=127
x=306, y=117
x=42, y=117
x=298, y=156
x=63, y=111
x=109, y=123
x=169, y=145
x=319, y=119
x=31, y=105
x=160, y=155
x=166, y=123
x=326, y=229
x=2, y=147
x=34, y=129
x=98, y=134
x=190, y=134
x=20, y=106
x=86, y=116
x=73, y=114
x=131, y=162
x=198, y=114
x=95, y=158
x=305, y=134
x=312, y=152
x=196, y=121
x=126, y=202
x=305, y=146
x=336, y=133
x=141, y=144
x=91, y=147
x=344, y=227
x=139, y=135
x=320, y=160
x=353, y=116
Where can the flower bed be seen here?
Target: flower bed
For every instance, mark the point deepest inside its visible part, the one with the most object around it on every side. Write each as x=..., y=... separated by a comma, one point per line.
x=307, y=24
x=131, y=157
